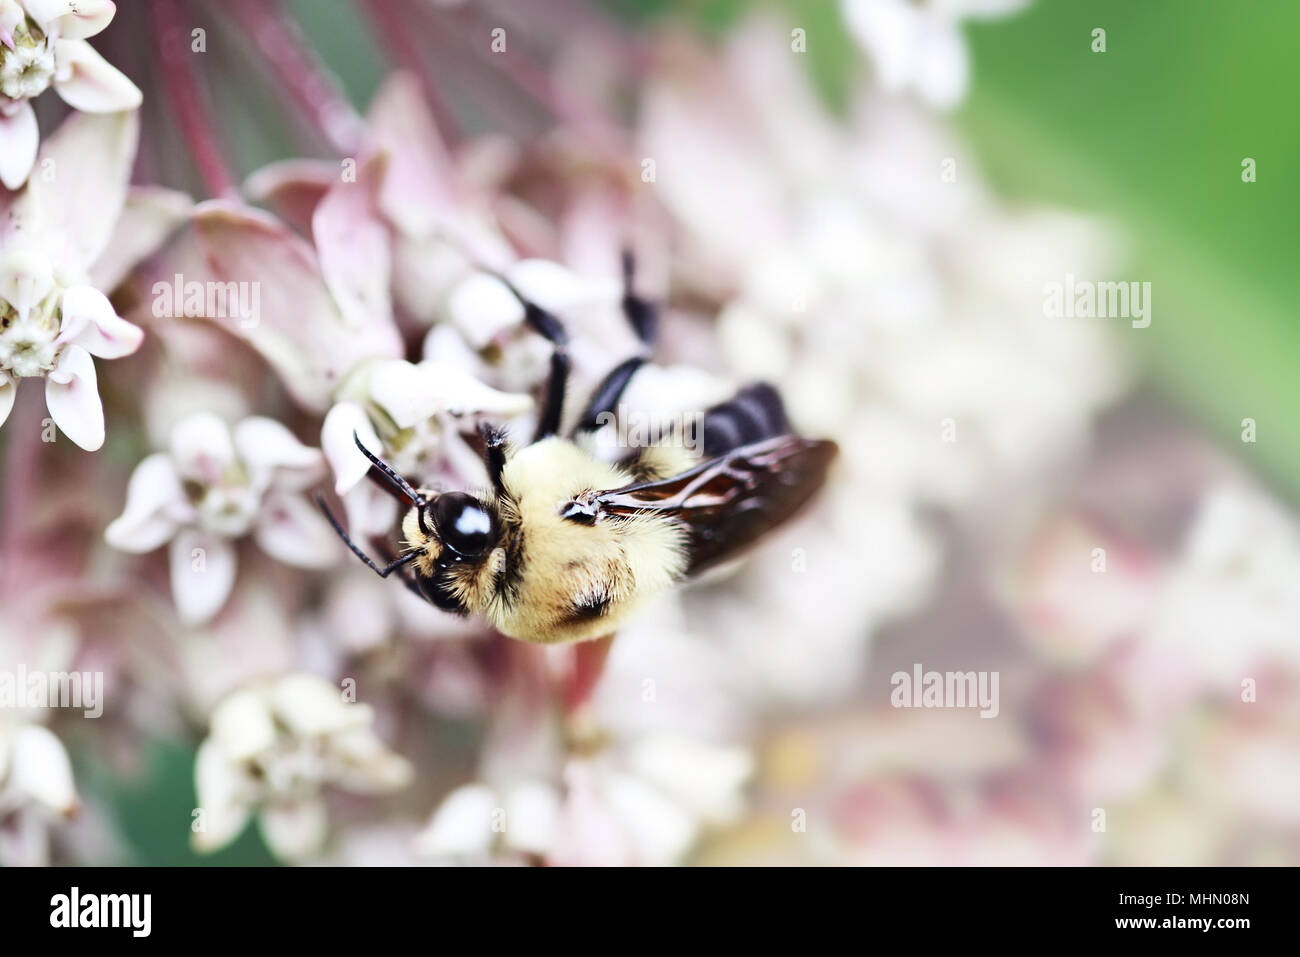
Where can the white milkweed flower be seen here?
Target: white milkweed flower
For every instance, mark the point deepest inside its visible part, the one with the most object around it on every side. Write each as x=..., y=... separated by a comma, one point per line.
x=644, y=803
x=436, y=203
x=329, y=332
x=216, y=485
x=43, y=44
x=51, y=332
x=476, y=823
x=64, y=239
x=1232, y=599
x=271, y=750
x=919, y=46
x=650, y=803
x=35, y=784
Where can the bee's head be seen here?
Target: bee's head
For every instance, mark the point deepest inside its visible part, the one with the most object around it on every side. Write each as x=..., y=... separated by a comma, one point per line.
x=466, y=528
x=458, y=533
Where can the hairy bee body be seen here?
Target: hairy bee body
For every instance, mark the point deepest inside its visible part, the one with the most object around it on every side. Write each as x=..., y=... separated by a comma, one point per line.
x=549, y=579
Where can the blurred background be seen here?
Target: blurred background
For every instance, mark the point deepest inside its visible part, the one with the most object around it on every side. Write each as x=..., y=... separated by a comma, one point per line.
x=865, y=202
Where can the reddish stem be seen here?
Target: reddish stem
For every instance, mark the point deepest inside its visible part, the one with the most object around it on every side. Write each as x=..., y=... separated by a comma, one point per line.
x=23, y=430
x=172, y=40
x=393, y=29
x=589, y=659
x=562, y=102
x=310, y=85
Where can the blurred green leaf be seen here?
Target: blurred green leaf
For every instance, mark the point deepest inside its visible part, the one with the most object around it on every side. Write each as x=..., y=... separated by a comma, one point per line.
x=1152, y=133
x=155, y=811
x=345, y=40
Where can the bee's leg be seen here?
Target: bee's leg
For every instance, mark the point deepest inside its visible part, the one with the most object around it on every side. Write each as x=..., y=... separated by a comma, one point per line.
x=382, y=572
x=553, y=406
x=411, y=583
x=642, y=314
x=547, y=325
x=606, y=397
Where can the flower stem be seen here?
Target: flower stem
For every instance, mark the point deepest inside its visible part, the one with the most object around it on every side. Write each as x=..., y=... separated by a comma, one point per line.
x=589, y=659
x=563, y=103
x=171, y=38
x=392, y=25
x=20, y=474
x=310, y=85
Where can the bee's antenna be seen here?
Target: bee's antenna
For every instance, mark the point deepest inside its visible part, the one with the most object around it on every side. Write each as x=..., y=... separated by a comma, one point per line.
x=389, y=479
x=383, y=572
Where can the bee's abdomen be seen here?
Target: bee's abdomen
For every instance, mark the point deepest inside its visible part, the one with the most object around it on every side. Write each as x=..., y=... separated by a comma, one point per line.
x=755, y=413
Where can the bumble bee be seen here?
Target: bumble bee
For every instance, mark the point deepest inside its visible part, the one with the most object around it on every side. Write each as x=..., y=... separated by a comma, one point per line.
x=564, y=546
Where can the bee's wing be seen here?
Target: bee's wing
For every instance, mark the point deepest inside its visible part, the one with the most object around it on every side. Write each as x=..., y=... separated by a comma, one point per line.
x=728, y=502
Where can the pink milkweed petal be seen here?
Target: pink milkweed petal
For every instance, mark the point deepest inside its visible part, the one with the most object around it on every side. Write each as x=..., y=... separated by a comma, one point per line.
x=155, y=501
x=201, y=447
x=418, y=188
x=88, y=82
x=292, y=188
x=90, y=321
x=74, y=21
x=26, y=277
x=202, y=574
x=72, y=396
x=223, y=792
x=11, y=15
x=265, y=446
x=150, y=215
x=298, y=328
x=19, y=139
x=294, y=831
x=8, y=393
x=76, y=206
x=39, y=768
x=353, y=245
x=293, y=531
x=336, y=438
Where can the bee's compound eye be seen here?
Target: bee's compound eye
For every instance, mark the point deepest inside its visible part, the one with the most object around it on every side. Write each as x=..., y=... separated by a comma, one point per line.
x=464, y=525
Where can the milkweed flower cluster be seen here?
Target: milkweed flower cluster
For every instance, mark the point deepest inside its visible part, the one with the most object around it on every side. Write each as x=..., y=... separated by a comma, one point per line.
x=893, y=308
x=832, y=256
x=36, y=786
x=55, y=262
x=43, y=44
x=214, y=486
x=271, y=751
x=37, y=790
